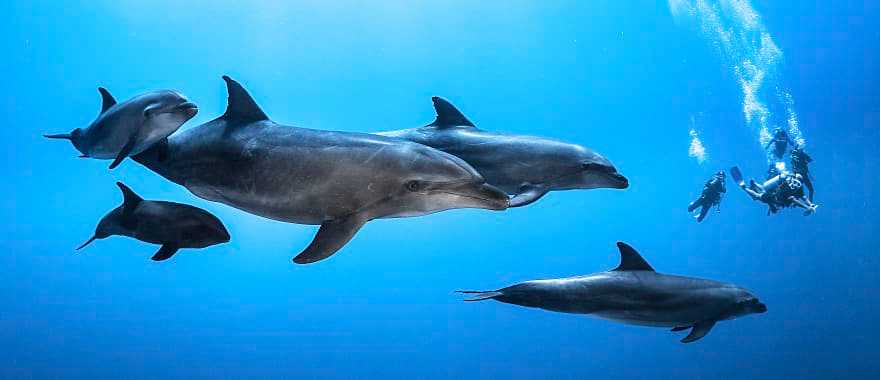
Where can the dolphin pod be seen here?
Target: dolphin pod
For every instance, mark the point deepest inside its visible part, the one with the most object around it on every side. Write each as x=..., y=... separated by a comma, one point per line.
x=527, y=167
x=634, y=293
x=339, y=180
x=342, y=180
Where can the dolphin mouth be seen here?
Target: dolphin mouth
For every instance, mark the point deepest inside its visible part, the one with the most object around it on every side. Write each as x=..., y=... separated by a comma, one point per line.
x=496, y=198
x=620, y=182
x=187, y=108
x=490, y=197
x=761, y=308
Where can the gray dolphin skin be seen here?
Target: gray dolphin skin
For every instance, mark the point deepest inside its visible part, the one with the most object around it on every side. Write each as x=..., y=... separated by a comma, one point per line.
x=527, y=167
x=339, y=180
x=634, y=293
x=128, y=128
x=173, y=225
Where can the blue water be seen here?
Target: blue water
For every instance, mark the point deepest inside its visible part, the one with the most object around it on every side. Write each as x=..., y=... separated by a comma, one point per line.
x=625, y=78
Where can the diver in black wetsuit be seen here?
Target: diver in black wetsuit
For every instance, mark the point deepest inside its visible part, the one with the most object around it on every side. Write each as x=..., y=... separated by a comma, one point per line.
x=711, y=195
x=779, y=142
x=800, y=162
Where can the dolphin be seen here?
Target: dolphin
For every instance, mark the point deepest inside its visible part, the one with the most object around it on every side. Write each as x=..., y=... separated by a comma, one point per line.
x=339, y=180
x=128, y=128
x=527, y=167
x=173, y=225
x=633, y=293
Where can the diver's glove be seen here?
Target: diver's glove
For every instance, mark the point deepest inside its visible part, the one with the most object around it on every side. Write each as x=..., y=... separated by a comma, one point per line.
x=811, y=210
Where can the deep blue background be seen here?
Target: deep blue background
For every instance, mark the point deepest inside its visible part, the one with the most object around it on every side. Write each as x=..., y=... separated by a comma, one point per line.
x=620, y=77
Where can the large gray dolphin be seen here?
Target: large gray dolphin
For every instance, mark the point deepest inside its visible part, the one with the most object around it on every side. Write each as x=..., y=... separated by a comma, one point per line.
x=339, y=180
x=128, y=128
x=525, y=166
x=174, y=225
x=634, y=293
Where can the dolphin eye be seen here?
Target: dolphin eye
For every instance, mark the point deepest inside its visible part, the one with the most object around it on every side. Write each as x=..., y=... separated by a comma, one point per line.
x=413, y=186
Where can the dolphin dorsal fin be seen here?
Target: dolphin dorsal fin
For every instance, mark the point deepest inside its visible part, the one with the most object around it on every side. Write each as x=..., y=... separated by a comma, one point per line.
x=630, y=259
x=241, y=106
x=130, y=200
x=448, y=115
x=107, y=100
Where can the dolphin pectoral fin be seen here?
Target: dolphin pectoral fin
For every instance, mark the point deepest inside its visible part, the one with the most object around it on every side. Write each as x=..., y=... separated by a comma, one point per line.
x=332, y=236
x=700, y=330
x=680, y=328
x=528, y=194
x=165, y=253
x=126, y=150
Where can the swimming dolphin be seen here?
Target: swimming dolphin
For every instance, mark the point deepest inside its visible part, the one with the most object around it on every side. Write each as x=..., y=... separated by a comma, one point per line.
x=128, y=128
x=173, y=225
x=526, y=167
x=339, y=180
x=634, y=293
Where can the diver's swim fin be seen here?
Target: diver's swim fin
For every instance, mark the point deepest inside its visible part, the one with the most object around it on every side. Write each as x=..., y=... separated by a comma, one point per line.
x=737, y=176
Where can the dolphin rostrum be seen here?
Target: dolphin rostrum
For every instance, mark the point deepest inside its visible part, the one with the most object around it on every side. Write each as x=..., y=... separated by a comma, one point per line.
x=526, y=167
x=339, y=180
x=128, y=128
x=634, y=293
x=173, y=225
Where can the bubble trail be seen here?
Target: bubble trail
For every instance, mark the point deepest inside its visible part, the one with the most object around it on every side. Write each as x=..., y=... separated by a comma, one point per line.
x=735, y=30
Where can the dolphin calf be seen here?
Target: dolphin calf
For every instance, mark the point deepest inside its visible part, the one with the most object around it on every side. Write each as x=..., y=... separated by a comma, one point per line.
x=526, y=167
x=339, y=180
x=128, y=128
x=173, y=225
x=634, y=293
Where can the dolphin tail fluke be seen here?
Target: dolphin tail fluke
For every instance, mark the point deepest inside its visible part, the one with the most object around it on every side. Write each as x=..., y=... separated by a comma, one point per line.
x=87, y=242
x=479, y=295
x=65, y=136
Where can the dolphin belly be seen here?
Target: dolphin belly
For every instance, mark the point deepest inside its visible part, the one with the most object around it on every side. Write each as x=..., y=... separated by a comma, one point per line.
x=647, y=318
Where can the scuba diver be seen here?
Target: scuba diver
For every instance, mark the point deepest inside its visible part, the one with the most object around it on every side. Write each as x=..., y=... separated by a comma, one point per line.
x=791, y=193
x=800, y=162
x=779, y=142
x=711, y=195
x=783, y=190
